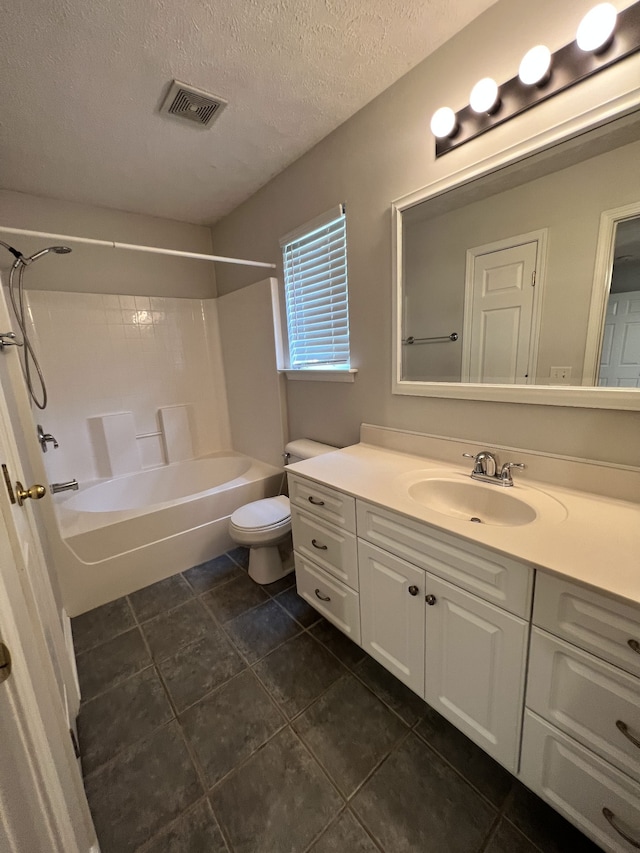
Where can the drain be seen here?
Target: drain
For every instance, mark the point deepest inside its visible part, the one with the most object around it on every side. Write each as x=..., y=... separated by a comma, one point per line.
x=475, y=519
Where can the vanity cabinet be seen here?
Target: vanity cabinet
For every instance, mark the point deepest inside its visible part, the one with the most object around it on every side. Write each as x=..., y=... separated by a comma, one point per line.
x=447, y=617
x=581, y=740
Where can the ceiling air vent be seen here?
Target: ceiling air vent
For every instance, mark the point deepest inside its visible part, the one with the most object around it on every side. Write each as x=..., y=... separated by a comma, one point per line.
x=192, y=104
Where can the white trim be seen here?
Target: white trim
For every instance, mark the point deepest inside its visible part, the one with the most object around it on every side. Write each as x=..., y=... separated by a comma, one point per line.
x=338, y=375
x=114, y=244
x=623, y=399
x=540, y=237
x=602, y=271
x=317, y=222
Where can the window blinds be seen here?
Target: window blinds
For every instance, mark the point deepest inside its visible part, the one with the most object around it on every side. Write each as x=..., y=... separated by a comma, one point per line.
x=315, y=277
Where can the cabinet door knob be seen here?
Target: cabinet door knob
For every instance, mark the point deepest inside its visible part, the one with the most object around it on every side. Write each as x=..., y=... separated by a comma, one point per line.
x=413, y=590
x=430, y=599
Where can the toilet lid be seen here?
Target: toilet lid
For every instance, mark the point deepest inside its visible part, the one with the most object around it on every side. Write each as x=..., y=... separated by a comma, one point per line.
x=264, y=513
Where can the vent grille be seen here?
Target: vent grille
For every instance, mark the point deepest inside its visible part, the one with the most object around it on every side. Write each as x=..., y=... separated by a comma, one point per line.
x=191, y=104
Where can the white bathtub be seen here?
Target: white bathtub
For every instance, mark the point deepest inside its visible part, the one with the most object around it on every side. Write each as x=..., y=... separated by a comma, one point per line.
x=123, y=534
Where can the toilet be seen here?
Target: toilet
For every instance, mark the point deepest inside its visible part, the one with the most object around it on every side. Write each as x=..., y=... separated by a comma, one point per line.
x=265, y=524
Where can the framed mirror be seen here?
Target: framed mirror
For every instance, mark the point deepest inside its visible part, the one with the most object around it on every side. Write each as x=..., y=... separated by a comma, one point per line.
x=520, y=281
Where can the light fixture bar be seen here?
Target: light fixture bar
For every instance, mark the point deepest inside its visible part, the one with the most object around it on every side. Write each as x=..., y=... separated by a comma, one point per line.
x=569, y=65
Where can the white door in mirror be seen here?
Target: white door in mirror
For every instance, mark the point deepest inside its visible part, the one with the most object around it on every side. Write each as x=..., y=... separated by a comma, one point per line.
x=498, y=317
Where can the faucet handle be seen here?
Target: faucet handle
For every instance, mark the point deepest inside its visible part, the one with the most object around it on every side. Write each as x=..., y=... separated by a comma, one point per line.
x=477, y=468
x=505, y=472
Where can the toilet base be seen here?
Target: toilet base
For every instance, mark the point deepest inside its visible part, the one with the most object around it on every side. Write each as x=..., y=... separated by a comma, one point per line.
x=266, y=566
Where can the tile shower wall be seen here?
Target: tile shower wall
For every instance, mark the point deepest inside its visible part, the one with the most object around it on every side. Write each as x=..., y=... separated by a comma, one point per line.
x=107, y=353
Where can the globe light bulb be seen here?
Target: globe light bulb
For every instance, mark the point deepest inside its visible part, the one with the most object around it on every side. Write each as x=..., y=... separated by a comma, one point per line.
x=443, y=122
x=597, y=26
x=484, y=95
x=535, y=65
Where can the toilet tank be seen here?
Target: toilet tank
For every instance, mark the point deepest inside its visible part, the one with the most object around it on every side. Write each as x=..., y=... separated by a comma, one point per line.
x=305, y=448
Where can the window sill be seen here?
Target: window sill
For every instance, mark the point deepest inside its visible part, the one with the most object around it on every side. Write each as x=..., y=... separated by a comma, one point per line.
x=322, y=375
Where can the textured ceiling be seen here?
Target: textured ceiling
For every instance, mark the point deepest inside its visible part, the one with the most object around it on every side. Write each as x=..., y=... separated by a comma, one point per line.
x=82, y=81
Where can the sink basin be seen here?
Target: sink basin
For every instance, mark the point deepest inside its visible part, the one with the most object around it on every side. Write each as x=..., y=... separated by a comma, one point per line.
x=460, y=497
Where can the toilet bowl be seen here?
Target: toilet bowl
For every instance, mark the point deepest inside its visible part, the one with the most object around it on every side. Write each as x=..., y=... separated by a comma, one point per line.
x=264, y=525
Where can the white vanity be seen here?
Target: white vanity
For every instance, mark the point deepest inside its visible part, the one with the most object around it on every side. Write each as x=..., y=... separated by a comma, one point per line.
x=521, y=627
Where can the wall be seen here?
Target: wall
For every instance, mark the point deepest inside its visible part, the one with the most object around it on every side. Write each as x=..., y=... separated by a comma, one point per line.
x=255, y=391
x=568, y=203
x=382, y=153
x=105, y=353
x=96, y=269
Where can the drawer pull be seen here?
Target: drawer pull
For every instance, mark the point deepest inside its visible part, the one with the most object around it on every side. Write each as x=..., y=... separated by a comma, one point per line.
x=624, y=728
x=322, y=597
x=611, y=818
x=314, y=542
x=315, y=501
x=634, y=645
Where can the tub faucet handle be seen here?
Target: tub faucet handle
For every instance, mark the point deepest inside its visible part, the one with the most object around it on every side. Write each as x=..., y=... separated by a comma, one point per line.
x=44, y=437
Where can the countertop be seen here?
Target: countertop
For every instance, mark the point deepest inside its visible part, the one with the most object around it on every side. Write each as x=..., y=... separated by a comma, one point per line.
x=596, y=542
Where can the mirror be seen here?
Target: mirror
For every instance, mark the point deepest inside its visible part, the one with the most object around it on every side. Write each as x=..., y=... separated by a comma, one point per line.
x=527, y=277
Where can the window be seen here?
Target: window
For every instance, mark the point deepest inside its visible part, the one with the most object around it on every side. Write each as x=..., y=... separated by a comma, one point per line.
x=315, y=280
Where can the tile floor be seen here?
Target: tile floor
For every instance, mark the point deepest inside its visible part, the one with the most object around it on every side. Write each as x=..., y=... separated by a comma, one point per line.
x=223, y=717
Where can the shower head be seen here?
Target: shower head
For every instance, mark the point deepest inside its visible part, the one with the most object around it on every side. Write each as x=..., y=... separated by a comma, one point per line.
x=58, y=250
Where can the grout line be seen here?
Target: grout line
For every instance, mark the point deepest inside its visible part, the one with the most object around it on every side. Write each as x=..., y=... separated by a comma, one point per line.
x=119, y=683
x=130, y=748
x=212, y=788
x=490, y=834
x=374, y=840
x=403, y=737
x=324, y=831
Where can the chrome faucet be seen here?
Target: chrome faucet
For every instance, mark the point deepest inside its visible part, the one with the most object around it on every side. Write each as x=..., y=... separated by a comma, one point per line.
x=69, y=486
x=486, y=468
x=44, y=437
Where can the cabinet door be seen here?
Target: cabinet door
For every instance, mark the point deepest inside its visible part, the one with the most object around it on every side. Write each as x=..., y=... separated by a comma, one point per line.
x=475, y=668
x=392, y=614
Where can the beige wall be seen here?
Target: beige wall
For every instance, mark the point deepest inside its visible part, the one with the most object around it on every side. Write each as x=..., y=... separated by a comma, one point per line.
x=568, y=204
x=382, y=153
x=94, y=269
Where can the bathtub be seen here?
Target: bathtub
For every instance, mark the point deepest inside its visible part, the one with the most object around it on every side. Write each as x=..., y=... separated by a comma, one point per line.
x=122, y=534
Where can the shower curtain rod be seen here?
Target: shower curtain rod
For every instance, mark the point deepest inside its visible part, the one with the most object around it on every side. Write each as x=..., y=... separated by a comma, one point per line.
x=113, y=244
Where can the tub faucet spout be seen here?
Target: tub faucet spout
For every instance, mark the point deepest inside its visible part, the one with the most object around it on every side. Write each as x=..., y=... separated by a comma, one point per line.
x=70, y=485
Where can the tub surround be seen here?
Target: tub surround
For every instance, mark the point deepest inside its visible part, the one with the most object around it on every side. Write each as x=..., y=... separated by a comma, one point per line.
x=597, y=543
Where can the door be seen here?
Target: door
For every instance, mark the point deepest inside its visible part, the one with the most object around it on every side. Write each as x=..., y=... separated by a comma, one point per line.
x=475, y=667
x=499, y=313
x=40, y=579
x=620, y=360
x=392, y=614
x=42, y=800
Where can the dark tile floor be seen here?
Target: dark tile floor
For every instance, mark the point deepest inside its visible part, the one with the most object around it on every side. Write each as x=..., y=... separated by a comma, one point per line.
x=223, y=717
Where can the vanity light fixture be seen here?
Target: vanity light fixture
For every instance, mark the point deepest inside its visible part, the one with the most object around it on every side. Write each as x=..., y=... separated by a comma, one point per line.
x=443, y=123
x=484, y=96
x=535, y=67
x=596, y=28
x=543, y=74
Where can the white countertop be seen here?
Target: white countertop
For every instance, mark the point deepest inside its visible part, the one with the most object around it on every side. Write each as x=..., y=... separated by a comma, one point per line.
x=596, y=543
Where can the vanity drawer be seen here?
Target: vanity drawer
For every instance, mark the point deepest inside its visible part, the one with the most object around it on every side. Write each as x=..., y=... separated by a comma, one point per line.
x=580, y=786
x=595, y=622
x=586, y=698
x=335, y=550
x=488, y=574
x=337, y=603
x=323, y=502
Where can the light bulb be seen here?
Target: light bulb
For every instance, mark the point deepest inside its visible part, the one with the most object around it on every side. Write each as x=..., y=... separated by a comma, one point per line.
x=535, y=65
x=597, y=26
x=484, y=95
x=443, y=122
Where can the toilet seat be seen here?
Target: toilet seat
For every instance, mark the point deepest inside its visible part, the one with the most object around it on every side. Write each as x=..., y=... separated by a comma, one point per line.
x=263, y=514
x=261, y=522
